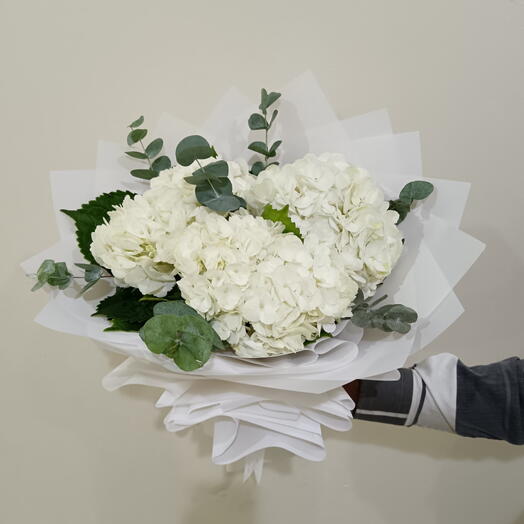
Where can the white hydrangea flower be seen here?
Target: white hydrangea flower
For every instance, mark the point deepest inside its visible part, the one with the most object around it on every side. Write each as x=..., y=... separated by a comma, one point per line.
x=339, y=205
x=265, y=292
x=131, y=243
x=262, y=289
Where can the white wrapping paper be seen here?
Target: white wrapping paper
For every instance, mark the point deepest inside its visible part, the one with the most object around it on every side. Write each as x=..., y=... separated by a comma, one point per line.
x=281, y=401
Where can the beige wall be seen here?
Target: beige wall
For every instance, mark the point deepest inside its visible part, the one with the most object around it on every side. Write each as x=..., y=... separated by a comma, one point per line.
x=73, y=72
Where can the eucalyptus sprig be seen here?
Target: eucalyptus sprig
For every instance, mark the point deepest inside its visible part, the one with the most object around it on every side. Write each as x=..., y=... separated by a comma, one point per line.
x=259, y=121
x=57, y=274
x=148, y=153
x=416, y=190
x=213, y=187
x=180, y=333
x=391, y=317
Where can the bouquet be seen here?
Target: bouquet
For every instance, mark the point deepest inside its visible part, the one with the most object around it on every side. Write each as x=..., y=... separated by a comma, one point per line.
x=250, y=274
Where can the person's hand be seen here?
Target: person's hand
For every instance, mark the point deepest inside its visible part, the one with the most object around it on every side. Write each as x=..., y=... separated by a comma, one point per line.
x=353, y=390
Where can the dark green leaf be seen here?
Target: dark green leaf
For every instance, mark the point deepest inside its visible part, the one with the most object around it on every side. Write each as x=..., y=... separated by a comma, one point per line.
x=145, y=174
x=211, y=171
x=274, y=147
x=125, y=306
x=193, y=148
x=91, y=215
x=218, y=196
x=259, y=147
x=257, y=121
x=137, y=154
x=135, y=136
x=267, y=99
x=138, y=122
x=273, y=116
x=154, y=147
x=161, y=163
x=416, y=190
x=282, y=216
x=401, y=207
x=257, y=168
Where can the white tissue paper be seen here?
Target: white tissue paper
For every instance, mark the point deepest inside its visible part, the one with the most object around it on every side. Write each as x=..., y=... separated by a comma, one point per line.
x=280, y=401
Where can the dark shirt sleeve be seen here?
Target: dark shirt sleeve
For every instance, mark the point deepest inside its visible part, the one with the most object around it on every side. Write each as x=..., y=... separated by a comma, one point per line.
x=443, y=393
x=490, y=400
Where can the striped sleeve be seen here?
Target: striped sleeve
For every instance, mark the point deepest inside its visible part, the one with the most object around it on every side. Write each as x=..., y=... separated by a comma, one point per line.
x=443, y=393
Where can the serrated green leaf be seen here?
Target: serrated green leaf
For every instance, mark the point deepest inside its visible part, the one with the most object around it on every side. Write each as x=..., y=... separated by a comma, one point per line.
x=154, y=147
x=138, y=122
x=259, y=147
x=257, y=168
x=135, y=136
x=91, y=215
x=125, y=306
x=161, y=163
x=137, y=154
x=416, y=190
x=282, y=216
x=257, y=121
x=144, y=174
x=193, y=148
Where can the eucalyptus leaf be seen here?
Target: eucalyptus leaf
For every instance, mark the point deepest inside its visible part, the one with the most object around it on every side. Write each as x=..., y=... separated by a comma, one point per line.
x=257, y=121
x=274, y=147
x=145, y=174
x=259, y=147
x=154, y=147
x=137, y=154
x=267, y=99
x=135, y=136
x=257, y=168
x=161, y=163
x=416, y=190
x=175, y=307
x=194, y=147
x=217, y=195
x=137, y=123
x=188, y=339
x=92, y=272
x=273, y=116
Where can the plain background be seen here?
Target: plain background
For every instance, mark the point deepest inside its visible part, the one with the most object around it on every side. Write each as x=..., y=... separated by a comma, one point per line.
x=74, y=72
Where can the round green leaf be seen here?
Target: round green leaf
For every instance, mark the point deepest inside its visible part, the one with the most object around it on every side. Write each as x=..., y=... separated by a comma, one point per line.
x=416, y=190
x=257, y=168
x=175, y=307
x=193, y=148
x=135, y=136
x=187, y=339
x=257, y=121
x=161, y=163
